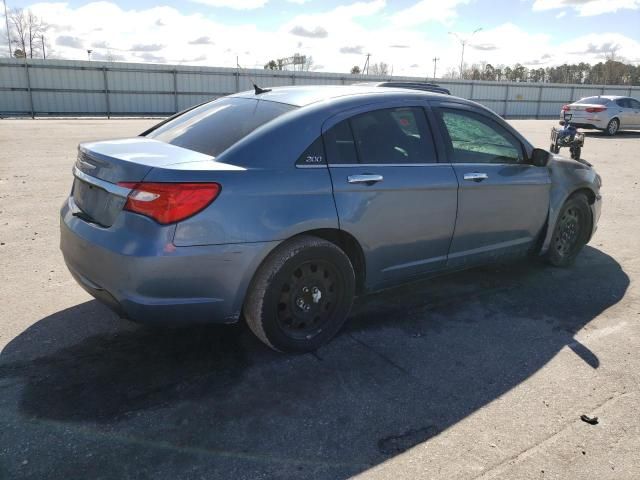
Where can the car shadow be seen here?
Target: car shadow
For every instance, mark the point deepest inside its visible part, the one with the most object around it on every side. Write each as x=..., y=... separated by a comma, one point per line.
x=624, y=134
x=412, y=362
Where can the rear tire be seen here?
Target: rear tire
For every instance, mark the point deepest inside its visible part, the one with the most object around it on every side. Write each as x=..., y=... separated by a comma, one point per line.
x=301, y=295
x=571, y=231
x=612, y=127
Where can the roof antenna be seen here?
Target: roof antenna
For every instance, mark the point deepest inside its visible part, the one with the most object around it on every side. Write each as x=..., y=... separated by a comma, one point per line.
x=257, y=89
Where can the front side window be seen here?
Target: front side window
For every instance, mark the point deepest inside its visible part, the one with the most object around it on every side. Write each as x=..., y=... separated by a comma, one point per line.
x=387, y=136
x=215, y=126
x=476, y=139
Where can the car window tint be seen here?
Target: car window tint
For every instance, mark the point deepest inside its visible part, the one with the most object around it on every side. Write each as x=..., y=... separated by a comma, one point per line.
x=313, y=155
x=623, y=102
x=339, y=144
x=393, y=136
x=594, y=101
x=634, y=103
x=215, y=126
x=476, y=139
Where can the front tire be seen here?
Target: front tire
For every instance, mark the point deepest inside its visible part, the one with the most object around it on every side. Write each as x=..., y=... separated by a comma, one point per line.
x=301, y=295
x=612, y=127
x=571, y=232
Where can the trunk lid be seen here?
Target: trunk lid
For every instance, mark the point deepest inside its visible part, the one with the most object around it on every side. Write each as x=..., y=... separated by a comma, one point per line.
x=131, y=159
x=101, y=165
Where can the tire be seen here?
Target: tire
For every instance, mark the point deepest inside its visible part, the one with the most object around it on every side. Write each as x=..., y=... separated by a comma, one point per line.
x=571, y=232
x=575, y=153
x=612, y=127
x=301, y=295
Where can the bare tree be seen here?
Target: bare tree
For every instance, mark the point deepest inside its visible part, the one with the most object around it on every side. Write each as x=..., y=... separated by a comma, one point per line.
x=27, y=31
x=379, y=69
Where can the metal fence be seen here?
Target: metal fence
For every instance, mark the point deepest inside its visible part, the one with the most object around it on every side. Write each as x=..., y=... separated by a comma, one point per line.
x=82, y=88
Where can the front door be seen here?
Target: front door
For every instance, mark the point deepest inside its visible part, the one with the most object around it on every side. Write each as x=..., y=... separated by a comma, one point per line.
x=503, y=201
x=390, y=192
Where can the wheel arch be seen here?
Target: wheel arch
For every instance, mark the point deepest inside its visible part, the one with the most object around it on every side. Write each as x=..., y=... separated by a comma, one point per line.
x=554, y=209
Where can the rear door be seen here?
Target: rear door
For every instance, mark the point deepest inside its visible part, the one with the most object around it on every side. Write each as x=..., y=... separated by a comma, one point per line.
x=390, y=192
x=627, y=117
x=635, y=112
x=502, y=201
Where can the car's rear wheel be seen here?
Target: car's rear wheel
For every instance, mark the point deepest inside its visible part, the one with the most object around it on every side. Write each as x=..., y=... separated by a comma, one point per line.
x=301, y=295
x=612, y=127
x=571, y=232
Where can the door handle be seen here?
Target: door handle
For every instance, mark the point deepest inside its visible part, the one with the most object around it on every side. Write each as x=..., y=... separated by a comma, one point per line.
x=475, y=177
x=366, y=178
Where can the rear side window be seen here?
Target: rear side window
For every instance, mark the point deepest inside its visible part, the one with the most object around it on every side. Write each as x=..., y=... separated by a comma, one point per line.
x=215, y=126
x=624, y=102
x=593, y=101
x=388, y=136
x=634, y=103
x=339, y=144
x=476, y=139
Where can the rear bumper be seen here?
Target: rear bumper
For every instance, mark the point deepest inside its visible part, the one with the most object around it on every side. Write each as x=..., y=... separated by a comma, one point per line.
x=150, y=280
x=587, y=124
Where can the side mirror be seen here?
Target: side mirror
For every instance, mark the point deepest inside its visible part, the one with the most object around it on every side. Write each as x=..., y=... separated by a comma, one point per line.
x=540, y=157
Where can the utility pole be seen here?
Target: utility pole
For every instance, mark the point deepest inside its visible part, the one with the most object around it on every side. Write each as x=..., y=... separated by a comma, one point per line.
x=464, y=42
x=6, y=19
x=44, y=52
x=435, y=64
x=365, y=69
x=89, y=54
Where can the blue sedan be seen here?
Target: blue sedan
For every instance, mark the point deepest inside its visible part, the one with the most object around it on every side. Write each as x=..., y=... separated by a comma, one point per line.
x=277, y=207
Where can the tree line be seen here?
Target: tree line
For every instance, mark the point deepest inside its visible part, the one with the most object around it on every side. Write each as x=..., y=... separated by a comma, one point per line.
x=609, y=72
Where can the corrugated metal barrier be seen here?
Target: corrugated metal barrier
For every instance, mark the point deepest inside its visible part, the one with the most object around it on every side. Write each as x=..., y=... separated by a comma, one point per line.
x=82, y=88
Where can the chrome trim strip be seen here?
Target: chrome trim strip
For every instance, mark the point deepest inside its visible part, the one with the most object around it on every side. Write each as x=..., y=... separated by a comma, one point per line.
x=96, y=182
x=355, y=165
x=322, y=165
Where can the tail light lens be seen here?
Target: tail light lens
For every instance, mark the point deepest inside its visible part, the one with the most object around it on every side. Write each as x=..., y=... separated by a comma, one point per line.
x=566, y=108
x=595, y=109
x=169, y=202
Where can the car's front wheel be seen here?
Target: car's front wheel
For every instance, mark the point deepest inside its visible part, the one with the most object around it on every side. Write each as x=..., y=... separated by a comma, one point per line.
x=571, y=232
x=301, y=295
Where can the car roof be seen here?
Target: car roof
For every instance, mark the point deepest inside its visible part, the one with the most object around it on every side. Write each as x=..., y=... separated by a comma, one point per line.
x=608, y=97
x=301, y=96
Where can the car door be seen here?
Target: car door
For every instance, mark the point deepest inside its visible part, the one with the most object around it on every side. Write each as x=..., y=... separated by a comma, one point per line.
x=390, y=192
x=635, y=112
x=626, y=113
x=503, y=201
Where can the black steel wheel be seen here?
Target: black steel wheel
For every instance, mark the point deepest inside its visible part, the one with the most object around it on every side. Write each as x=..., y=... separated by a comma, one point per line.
x=301, y=295
x=571, y=232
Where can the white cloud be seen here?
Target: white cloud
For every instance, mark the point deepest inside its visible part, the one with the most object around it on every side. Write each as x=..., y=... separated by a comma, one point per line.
x=339, y=39
x=561, y=14
x=588, y=7
x=443, y=11
x=235, y=4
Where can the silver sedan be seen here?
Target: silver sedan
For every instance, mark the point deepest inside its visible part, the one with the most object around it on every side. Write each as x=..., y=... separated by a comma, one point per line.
x=608, y=113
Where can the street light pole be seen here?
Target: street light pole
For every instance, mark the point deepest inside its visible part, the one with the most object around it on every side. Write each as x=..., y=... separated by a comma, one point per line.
x=6, y=18
x=464, y=42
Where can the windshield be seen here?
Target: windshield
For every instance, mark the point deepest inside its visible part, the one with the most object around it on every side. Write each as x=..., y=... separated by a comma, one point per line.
x=215, y=126
x=594, y=101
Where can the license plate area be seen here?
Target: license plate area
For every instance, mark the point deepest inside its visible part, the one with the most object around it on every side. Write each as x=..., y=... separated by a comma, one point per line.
x=96, y=203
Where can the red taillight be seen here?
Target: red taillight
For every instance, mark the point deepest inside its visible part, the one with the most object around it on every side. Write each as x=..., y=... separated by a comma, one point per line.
x=595, y=109
x=169, y=202
x=566, y=108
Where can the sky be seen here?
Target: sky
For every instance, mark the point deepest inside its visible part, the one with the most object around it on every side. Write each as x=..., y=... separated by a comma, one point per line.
x=337, y=34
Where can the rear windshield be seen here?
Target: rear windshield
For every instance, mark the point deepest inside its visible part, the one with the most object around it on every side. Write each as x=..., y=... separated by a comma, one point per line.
x=594, y=101
x=215, y=126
